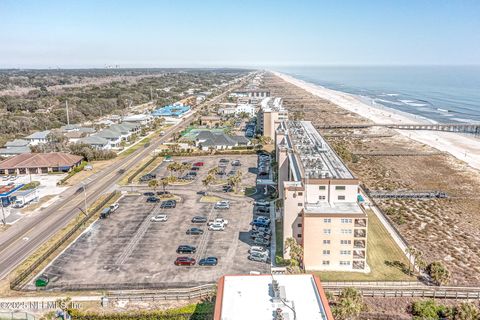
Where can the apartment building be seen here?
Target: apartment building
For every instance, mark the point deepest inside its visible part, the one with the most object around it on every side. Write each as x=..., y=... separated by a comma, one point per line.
x=320, y=201
x=270, y=115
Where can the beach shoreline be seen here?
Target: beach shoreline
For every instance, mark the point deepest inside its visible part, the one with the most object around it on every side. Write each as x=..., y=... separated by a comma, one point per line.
x=462, y=147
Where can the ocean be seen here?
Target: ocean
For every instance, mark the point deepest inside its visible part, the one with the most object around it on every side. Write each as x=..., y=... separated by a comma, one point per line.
x=438, y=93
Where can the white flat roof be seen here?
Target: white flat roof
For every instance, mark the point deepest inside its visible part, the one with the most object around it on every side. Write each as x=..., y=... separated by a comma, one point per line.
x=325, y=207
x=251, y=297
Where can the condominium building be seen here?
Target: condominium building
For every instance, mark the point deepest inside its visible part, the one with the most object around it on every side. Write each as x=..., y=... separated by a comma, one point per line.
x=270, y=115
x=320, y=200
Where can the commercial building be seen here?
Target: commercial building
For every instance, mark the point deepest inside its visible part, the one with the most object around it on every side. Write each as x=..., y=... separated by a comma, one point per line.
x=209, y=140
x=299, y=297
x=271, y=113
x=320, y=200
x=36, y=163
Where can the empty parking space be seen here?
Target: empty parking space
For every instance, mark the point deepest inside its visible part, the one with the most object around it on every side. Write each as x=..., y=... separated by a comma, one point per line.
x=129, y=248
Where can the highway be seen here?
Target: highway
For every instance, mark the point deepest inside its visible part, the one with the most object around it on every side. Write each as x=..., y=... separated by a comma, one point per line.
x=28, y=234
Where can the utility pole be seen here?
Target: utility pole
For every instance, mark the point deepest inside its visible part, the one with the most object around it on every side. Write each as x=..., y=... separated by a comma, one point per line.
x=68, y=116
x=3, y=213
x=85, y=197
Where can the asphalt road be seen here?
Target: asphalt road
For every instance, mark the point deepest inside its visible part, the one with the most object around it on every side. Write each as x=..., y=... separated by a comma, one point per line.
x=20, y=240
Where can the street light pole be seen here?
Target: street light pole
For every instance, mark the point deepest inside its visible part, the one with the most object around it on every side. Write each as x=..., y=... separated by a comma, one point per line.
x=85, y=197
x=3, y=213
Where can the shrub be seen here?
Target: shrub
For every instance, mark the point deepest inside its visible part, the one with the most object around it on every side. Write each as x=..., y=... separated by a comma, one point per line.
x=428, y=309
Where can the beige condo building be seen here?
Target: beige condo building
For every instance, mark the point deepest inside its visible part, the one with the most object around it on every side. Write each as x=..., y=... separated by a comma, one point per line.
x=320, y=201
x=270, y=114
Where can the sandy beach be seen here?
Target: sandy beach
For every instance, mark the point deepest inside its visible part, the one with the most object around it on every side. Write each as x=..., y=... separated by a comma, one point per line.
x=463, y=147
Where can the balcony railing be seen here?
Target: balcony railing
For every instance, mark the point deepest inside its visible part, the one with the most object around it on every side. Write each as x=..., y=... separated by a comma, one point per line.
x=359, y=244
x=358, y=265
x=361, y=223
x=360, y=233
x=359, y=254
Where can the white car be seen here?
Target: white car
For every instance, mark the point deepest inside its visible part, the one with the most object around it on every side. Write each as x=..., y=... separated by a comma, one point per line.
x=262, y=203
x=263, y=219
x=217, y=221
x=258, y=249
x=222, y=205
x=216, y=227
x=113, y=207
x=159, y=218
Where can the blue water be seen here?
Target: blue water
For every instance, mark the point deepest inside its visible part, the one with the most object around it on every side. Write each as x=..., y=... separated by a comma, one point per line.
x=442, y=94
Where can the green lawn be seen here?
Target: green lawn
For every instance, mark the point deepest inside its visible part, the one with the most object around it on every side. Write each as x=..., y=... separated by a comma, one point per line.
x=384, y=257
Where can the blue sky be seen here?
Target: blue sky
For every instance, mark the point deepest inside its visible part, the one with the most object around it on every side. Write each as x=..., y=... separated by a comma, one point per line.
x=238, y=33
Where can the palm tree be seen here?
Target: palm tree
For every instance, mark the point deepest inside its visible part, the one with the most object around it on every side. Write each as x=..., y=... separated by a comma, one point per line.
x=164, y=182
x=153, y=184
x=235, y=180
x=349, y=305
x=296, y=251
x=438, y=272
x=208, y=180
x=174, y=166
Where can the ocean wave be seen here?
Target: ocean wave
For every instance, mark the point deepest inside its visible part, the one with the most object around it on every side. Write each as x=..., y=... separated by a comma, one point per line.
x=412, y=103
x=388, y=101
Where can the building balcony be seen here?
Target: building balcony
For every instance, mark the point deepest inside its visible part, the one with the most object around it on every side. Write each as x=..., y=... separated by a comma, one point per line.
x=358, y=254
x=359, y=244
x=360, y=223
x=360, y=233
x=358, y=265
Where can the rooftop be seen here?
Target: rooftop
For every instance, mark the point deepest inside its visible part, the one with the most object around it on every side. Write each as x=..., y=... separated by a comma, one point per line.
x=313, y=157
x=260, y=296
x=325, y=207
x=37, y=160
x=38, y=135
x=272, y=104
x=171, y=111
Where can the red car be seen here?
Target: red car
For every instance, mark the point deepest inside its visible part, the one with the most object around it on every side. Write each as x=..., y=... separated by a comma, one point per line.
x=198, y=164
x=185, y=261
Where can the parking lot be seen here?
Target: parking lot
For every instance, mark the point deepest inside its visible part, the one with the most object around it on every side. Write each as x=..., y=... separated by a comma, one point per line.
x=128, y=248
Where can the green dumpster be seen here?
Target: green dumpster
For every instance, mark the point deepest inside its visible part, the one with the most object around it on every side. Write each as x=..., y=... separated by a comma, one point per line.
x=41, y=281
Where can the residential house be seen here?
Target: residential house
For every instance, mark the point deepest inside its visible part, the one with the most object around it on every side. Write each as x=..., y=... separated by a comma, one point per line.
x=15, y=147
x=38, y=137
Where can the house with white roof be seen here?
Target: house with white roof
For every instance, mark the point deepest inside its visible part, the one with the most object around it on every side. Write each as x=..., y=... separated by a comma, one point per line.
x=38, y=137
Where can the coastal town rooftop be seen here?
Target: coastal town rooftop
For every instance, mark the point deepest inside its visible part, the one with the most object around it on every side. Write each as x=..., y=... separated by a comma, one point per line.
x=312, y=156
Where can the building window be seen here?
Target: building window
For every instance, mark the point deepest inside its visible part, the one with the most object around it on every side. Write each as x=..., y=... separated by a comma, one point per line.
x=326, y=241
x=299, y=225
x=322, y=187
x=327, y=231
x=326, y=262
x=300, y=193
x=327, y=220
x=299, y=235
x=346, y=231
x=345, y=241
x=346, y=220
x=345, y=252
x=339, y=187
x=341, y=197
x=326, y=252
x=321, y=197
x=300, y=204
x=344, y=263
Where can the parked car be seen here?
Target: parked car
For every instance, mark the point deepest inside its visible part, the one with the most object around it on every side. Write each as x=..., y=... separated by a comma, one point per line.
x=258, y=249
x=195, y=168
x=195, y=231
x=263, y=209
x=217, y=220
x=209, y=261
x=184, y=261
x=260, y=235
x=224, y=161
x=236, y=163
x=216, y=227
x=162, y=193
x=262, y=219
x=262, y=203
x=159, y=218
x=148, y=177
x=224, y=204
x=227, y=189
x=261, y=242
x=261, y=230
x=168, y=204
x=192, y=173
x=256, y=256
x=148, y=194
x=105, y=213
x=198, y=164
x=260, y=224
x=153, y=199
x=186, y=249
x=202, y=193
x=114, y=207
x=199, y=219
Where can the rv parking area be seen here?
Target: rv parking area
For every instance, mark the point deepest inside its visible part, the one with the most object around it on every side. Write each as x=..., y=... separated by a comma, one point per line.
x=128, y=248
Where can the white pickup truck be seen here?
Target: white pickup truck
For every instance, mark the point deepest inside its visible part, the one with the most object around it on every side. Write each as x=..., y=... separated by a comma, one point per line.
x=217, y=221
